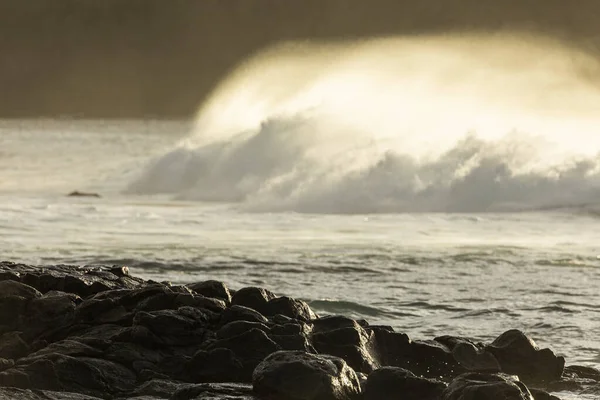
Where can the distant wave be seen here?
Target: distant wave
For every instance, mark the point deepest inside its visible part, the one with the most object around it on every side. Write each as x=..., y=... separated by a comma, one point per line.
x=420, y=125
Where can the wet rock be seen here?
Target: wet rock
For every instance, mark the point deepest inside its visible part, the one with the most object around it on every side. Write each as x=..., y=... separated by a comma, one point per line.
x=518, y=354
x=172, y=327
x=77, y=193
x=315, y=377
x=353, y=344
x=252, y=297
x=214, y=391
x=213, y=289
x=289, y=307
x=539, y=394
x=426, y=358
x=471, y=356
x=241, y=313
x=391, y=383
x=474, y=385
x=250, y=348
x=236, y=328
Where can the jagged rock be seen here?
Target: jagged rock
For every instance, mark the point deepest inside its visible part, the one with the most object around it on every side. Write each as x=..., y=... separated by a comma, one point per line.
x=11, y=310
x=236, y=328
x=353, y=344
x=241, y=313
x=252, y=297
x=6, y=364
x=172, y=327
x=250, y=348
x=297, y=375
x=13, y=346
x=519, y=355
x=217, y=365
x=424, y=358
x=471, y=356
x=473, y=385
x=289, y=307
x=13, y=288
x=23, y=394
x=213, y=289
x=48, y=313
x=391, y=383
x=539, y=394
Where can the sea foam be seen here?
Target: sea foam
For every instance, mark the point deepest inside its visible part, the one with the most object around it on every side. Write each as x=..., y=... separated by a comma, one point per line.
x=462, y=123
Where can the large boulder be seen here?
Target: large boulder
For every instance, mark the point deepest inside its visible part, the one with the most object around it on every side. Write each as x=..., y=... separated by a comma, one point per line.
x=392, y=383
x=295, y=375
x=518, y=354
x=474, y=386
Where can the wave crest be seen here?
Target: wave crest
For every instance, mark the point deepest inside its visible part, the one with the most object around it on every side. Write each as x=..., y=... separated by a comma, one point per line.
x=414, y=125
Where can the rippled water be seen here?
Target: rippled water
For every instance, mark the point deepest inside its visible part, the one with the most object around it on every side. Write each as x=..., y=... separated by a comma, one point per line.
x=426, y=274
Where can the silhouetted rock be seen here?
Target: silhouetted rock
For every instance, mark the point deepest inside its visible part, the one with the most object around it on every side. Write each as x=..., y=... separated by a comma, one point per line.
x=252, y=297
x=315, y=377
x=472, y=386
x=214, y=289
x=471, y=356
x=99, y=332
x=77, y=193
x=519, y=355
x=391, y=383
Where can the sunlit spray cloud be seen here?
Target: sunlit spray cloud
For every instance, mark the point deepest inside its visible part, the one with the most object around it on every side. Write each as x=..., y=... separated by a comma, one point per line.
x=431, y=123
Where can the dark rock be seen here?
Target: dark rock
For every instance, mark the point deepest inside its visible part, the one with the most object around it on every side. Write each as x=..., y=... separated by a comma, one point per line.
x=472, y=386
x=252, y=297
x=332, y=322
x=8, y=393
x=391, y=383
x=48, y=313
x=424, y=358
x=172, y=327
x=293, y=342
x=315, y=377
x=213, y=289
x=296, y=309
x=217, y=365
x=471, y=356
x=241, y=313
x=236, y=328
x=77, y=193
x=12, y=288
x=250, y=348
x=11, y=310
x=13, y=346
x=539, y=394
x=214, y=391
x=518, y=354
x=353, y=344
x=6, y=364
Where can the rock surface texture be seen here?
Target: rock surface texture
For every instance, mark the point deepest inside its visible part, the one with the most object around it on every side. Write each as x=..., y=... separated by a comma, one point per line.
x=69, y=332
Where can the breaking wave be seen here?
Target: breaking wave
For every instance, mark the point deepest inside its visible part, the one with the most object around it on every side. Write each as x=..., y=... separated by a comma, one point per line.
x=452, y=124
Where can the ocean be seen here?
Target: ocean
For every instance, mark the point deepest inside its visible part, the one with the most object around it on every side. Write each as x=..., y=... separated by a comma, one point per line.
x=374, y=195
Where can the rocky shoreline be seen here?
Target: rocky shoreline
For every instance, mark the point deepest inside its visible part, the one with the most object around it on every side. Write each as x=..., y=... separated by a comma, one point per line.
x=69, y=332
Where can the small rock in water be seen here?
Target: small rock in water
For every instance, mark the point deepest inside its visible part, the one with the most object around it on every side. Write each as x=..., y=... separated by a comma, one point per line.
x=77, y=193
